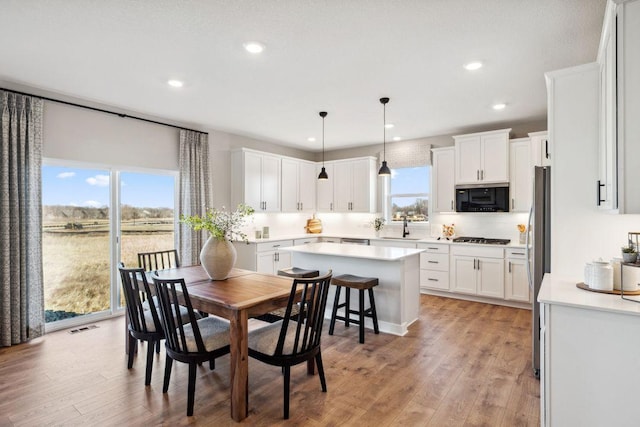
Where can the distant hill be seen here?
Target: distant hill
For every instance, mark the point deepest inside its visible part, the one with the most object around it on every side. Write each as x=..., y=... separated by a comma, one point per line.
x=83, y=213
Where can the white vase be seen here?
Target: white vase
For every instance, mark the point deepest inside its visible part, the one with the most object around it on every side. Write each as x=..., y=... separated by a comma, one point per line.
x=218, y=258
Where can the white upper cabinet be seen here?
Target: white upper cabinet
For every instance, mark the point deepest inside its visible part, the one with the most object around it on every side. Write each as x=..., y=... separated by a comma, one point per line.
x=521, y=171
x=255, y=180
x=482, y=158
x=443, y=180
x=540, y=148
x=354, y=185
x=324, y=187
x=298, y=185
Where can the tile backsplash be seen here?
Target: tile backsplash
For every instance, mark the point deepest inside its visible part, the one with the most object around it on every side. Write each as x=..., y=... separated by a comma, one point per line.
x=491, y=225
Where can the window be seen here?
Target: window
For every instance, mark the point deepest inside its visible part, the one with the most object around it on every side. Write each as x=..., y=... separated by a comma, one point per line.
x=408, y=194
x=88, y=227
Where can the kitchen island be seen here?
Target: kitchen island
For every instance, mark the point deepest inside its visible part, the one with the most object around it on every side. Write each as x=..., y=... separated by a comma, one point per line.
x=590, y=356
x=397, y=269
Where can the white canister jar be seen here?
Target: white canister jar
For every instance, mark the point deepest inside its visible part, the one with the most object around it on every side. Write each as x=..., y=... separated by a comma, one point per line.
x=602, y=277
x=617, y=272
x=588, y=273
x=630, y=277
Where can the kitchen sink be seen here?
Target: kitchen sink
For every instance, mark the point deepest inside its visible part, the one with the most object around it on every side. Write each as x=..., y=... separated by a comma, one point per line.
x=402, y=238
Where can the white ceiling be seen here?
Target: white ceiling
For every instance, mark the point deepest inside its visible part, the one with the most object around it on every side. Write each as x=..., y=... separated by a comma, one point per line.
x=340, y=56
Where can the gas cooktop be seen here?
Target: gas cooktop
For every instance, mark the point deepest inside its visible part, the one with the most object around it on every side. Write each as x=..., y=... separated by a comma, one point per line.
x=482, y=240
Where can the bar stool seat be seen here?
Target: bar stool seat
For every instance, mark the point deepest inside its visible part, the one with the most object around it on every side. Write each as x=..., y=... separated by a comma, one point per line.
x=298, y=273
x=350, y=281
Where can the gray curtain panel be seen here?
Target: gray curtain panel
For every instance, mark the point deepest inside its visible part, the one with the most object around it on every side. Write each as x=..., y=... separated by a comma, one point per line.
x=21, y=285
x=194, y=192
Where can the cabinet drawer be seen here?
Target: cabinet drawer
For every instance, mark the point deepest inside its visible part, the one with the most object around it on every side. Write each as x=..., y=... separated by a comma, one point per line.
x=477, y=251
x=270, y=246
x=431, y=261
x=435, y=248
x=305, y=241
x=434, y=279
x=516, y=253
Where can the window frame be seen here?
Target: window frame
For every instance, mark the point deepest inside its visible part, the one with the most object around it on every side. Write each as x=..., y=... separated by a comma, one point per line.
x=388, y=196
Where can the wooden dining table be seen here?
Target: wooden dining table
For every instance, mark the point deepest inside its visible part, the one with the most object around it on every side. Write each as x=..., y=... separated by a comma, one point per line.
x=242, y=295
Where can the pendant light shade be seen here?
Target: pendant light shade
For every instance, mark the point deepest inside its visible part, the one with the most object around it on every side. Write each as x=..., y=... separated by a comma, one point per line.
x=323, y=173
x=384, y=169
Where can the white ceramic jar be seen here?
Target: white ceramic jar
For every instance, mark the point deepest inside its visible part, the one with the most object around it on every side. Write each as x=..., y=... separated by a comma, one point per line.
x=602, y=276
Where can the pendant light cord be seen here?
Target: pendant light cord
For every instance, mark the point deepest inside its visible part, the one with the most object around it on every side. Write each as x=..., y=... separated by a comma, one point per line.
x=384, y=131
x=323, y=139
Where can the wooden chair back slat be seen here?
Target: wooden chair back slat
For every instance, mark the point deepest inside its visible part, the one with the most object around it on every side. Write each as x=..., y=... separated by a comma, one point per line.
x=158, y=260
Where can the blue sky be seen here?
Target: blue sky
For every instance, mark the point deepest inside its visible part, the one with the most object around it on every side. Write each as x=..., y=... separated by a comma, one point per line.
x=90, y=187
x=409, y=181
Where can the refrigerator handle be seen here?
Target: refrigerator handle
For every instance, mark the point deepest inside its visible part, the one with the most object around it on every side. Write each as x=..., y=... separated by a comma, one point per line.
x=527, y=249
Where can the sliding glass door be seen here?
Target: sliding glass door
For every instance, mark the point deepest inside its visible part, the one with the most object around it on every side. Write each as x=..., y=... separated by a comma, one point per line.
x=92, y=219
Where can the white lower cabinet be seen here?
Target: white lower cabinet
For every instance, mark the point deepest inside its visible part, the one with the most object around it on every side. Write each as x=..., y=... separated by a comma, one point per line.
x=477, y=271
x=265, y=257
x=516, y=283
x=434, y=266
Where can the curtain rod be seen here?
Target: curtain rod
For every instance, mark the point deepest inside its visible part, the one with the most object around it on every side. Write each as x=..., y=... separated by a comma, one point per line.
x=124, y=116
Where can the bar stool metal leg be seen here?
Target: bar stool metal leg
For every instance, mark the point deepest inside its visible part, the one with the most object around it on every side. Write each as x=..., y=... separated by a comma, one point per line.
x=347, y=307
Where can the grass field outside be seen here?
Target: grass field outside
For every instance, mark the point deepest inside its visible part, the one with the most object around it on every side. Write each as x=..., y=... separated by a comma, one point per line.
x=77, y=266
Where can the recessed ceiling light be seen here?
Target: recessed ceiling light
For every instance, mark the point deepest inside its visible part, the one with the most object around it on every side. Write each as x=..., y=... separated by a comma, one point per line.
x=396, y=138
x=311, y=139
x=499, y=106
x=175, y=83
x=472, y=66
x=389, y=125
x=253, y=47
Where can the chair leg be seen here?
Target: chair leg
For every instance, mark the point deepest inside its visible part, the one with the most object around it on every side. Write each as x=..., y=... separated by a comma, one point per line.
x=287, y=377
x=334, y=311
x=158, y=347
x=191, y=389
x=167, y=373
x=132, y=351
x=150, y=347
x=323, y=382
x=212, y=364
x=374, y=314
x=361, y=314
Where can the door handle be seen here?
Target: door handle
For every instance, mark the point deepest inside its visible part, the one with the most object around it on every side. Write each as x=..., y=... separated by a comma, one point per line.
x=452, y=205
x=477, y=174
x=600, y=199
x=474, y=263
x=546, y=148
x=433, y=262
x=433, y=280
x=509, y=266
x=512, y=204
x=481, y=174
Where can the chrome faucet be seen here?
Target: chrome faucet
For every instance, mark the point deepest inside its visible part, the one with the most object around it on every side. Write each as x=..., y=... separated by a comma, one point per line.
x=405, y=227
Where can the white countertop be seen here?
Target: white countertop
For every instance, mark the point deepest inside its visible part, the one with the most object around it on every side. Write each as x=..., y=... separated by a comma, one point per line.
x=379, y=253
x=513, y=244
x=562, y=291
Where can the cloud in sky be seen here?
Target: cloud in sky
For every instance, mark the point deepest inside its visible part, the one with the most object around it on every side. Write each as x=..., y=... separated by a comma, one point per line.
x=99, y=180
x=93, y=204
x=63, y=175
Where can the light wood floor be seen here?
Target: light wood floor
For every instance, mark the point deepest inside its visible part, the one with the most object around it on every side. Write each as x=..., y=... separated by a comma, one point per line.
x=462, y=364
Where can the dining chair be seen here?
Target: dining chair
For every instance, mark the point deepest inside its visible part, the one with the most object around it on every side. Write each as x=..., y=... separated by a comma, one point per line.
x=296, y=339
x=158, y=260
x=194, y=342
x=144, y=322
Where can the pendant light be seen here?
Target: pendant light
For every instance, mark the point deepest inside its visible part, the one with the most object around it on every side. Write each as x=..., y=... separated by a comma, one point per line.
x=384, y=169
x=323, y=173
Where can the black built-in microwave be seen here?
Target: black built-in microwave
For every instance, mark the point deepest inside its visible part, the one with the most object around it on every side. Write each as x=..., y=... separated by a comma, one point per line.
x=482, y=199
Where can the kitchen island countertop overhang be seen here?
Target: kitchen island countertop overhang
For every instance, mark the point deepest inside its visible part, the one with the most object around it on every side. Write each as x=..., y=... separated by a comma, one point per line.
x=397, y=269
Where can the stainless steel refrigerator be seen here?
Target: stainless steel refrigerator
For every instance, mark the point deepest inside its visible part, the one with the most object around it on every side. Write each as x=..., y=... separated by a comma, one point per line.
x=539, y=249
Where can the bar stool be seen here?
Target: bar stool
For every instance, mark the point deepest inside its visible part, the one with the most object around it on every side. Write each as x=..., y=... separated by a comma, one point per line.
x=298, y=273
x=350, y=281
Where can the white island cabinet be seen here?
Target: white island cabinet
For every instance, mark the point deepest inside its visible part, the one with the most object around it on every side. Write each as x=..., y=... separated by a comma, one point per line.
x=397, y=295
x=590, y=356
